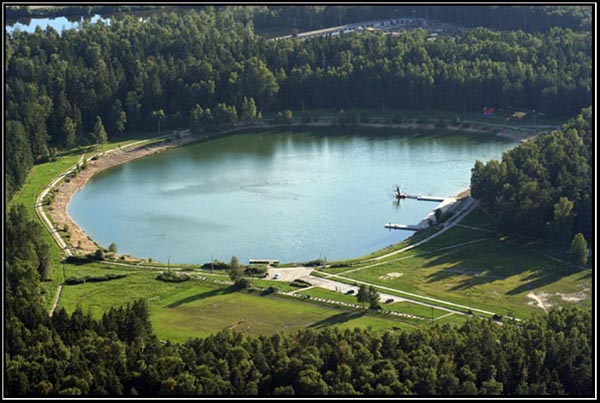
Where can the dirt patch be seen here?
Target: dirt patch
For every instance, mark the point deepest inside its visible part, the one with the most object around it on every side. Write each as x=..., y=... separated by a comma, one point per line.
x=540, y=299
x=573, y=297
x=79, y=240
x=391, y=276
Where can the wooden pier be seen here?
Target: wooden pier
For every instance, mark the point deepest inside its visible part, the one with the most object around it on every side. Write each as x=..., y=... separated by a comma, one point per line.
x=404, y=226
x=430, y=219
x=426, y=198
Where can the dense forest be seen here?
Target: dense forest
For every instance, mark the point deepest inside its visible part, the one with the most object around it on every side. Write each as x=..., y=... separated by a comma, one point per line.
x=118, y=354
x=208, y=65
x=526, y=18
x=131, y=73
x=542, y=188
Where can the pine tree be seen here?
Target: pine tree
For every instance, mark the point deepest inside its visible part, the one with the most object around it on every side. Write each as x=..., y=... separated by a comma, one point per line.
x=99, y=133
x=579, y=249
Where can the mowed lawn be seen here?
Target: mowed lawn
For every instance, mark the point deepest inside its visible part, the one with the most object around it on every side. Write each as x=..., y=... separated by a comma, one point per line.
x=480, y=270
x=193, y=308
x=198, y=312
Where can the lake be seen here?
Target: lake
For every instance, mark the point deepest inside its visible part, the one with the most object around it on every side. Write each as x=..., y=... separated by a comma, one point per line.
x=292, y=196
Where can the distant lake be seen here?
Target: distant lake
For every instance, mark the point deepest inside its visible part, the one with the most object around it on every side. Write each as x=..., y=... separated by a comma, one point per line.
x=59, y=23
x=292, y=196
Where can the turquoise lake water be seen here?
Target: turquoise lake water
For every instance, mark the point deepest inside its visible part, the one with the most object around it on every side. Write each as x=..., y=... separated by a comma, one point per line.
x=292, y=196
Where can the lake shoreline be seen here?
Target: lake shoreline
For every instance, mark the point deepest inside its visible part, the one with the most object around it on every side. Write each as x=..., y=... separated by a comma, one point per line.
x=81, y=243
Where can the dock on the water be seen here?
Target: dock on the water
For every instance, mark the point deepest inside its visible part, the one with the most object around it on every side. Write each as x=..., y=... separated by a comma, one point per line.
x=426, y=198
x=404, y=226
x=430, y=219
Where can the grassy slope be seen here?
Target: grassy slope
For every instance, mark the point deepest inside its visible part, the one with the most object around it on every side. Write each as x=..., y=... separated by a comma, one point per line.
x=494, y=274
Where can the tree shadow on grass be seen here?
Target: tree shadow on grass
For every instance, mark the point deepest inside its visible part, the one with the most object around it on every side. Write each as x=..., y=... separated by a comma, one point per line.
x=202, y=295
x=503, y=261
x=337, y=319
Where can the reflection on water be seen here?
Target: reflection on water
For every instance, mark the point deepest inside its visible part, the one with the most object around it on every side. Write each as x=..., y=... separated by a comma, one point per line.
x=292, y=196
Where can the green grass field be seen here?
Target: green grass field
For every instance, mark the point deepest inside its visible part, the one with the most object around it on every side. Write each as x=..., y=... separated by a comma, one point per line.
x=414, y=309
x=194, y=308
x=328, y=294
x=477, y=269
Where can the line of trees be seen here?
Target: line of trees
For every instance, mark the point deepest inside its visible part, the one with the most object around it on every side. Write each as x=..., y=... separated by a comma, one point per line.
x=186, y=64
x=543, y=188
x=525, y=18
x=118, y=354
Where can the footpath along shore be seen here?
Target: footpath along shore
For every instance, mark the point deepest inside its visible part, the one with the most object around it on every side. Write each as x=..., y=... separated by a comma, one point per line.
x=65, y=188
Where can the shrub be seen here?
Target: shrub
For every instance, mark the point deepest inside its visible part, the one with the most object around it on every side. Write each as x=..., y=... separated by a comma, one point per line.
x=217, y=265
x=300, y=283
x=270, y=290
x=93, y=279
x=339, y=265
x=241, y=283
x=255, y=271
x=99, y=254
x=172, y=277
x=316, y=262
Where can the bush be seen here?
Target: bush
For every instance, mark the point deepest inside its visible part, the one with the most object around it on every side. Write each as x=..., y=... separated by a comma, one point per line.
x=217, y=265
x=74, y=280
x=255, y=271
x=78, y=260
x=172, y=277
x=339, y=265
x=316, y=262
x=99, y=254
x=270, y=290
x=300, y=283
x=241, y=284
x=93, y=279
